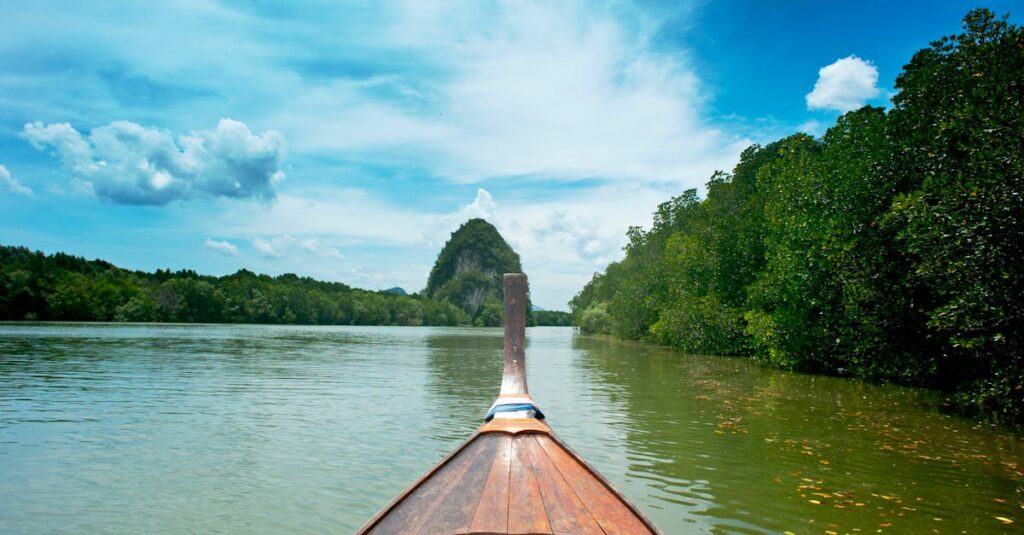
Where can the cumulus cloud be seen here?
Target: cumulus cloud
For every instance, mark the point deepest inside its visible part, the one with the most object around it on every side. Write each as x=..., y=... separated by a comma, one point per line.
x=562, y=239
x=332, y=252
x=844, y=85
x=482, y=206
x=11, y=184
x=469, y=90
x=312, y=245
x=127, y=163
x=275, y=247
x=225, y=247
x=812, y=127
x=561, y=91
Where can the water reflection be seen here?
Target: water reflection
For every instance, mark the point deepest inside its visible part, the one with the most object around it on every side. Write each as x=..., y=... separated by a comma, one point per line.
x=764, y=450
x=146, y=428
x=464, y=369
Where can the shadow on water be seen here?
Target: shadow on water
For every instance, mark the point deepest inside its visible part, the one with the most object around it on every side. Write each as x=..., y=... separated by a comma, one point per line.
x=743, y=447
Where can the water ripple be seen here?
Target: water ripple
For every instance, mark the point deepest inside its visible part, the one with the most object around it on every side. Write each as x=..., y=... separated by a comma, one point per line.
x=173, y=428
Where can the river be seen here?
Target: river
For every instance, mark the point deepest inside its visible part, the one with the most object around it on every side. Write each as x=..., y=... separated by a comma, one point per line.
x=114, y=428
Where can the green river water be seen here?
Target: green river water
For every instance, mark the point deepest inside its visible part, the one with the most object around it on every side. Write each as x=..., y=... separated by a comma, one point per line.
x=113, y=428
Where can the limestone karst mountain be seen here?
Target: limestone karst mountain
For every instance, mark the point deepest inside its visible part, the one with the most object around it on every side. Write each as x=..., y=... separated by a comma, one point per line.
x=468, y=271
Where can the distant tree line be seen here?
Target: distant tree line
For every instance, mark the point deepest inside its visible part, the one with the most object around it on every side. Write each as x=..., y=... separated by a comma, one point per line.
x=550, y=318
x=890, y=249
x=63, y=287
x=36, y=286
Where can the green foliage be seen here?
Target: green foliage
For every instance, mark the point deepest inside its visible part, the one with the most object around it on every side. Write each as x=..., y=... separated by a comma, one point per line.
x=469, y=290
x=490, y=315
x=595, y=320
x=63, y=287
x=469, y=271
x=140, y=308
x=889, y=249
x=701, y=324
x=959, y=115
x=550, y=318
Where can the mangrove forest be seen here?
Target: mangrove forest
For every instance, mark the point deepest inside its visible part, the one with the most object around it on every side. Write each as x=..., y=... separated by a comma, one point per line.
x=889, y=249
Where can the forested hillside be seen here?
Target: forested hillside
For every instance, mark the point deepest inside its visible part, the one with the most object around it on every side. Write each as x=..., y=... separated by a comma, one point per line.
x=64, y=287
x=892, y=248
x=35, y=286
x=469, y=270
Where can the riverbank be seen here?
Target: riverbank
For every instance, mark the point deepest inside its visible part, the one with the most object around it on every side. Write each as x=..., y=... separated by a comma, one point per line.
x=61, y=287
x=888, y=249
x=251, y=426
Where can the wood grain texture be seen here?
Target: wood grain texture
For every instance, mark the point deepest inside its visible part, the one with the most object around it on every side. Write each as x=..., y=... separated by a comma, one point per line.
x=512, y=476
x=566, y=512
x=491, y=515
x=607, y=508
x=409, y=515
x=415, y=486
x=514, y=426
x=526, y=508
x=455, y=511
x=513, y=377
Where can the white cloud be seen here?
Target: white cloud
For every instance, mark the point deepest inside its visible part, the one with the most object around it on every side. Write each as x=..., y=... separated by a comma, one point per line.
x=275, y=247
x=562, y=240
x=312, y=245
x=131, y=164
x=264, y=246
x=470, y=92
x=334, y=212
x=563, y=91
x=332, y=252
x=813, y=127
x=482, y=206
x=11, y=184
x=844, y=85
x=225, y=247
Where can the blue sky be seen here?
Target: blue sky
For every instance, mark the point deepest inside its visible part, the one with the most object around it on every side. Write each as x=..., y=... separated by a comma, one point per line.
x=346, y=141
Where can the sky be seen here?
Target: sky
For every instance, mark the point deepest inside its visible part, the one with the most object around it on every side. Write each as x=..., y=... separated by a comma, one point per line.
x=346, y=140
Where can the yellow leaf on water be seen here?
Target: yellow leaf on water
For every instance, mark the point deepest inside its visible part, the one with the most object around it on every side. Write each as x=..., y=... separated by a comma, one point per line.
x=823, y=461
x=1004, y=520
x=815, y=502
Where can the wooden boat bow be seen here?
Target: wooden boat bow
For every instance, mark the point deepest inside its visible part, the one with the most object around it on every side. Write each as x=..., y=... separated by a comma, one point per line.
x=512, y=475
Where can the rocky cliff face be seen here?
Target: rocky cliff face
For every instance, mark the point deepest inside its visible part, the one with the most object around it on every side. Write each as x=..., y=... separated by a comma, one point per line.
x=468, y=271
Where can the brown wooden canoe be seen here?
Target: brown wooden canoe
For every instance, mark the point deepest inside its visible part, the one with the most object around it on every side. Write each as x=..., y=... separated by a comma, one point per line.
x=513, y=475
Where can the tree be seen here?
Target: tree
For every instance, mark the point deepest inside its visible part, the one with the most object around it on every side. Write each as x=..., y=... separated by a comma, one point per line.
x=958, y=121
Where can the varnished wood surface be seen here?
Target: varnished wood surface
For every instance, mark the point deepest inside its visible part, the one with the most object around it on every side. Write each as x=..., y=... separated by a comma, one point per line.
x=514, y=426
x=513, y=476
x=513, y=377
x=503, y=482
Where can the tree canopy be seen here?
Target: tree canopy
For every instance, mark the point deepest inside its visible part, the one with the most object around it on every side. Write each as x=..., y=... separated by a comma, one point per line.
x=36, y=286
x=63, y=287
x=889, y=249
